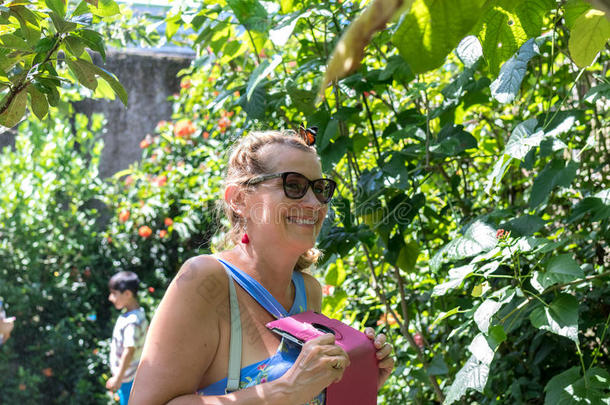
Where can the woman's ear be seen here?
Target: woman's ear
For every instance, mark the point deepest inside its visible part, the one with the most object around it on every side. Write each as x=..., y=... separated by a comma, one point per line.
x=235, y=198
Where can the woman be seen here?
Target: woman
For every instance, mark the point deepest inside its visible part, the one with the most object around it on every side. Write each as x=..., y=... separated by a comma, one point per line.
x=276, y=212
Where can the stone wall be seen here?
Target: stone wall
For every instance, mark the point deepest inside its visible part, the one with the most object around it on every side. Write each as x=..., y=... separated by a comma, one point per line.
x=149, y=77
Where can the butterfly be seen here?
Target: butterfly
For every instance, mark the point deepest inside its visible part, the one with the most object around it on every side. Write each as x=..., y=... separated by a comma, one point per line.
x=308, y=134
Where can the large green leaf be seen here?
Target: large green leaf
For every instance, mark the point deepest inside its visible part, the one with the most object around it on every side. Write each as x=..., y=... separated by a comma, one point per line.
x=478, y=237
x=560, y=317
x=483, y=314
x=250, y=13
x=58, y=6
x=84, y=74
x=432, y=29
x=38, y=101
x=507, y=24
x=574, y=9
x=265, y=68
x=555, y=173
x=473, y=375
x=524, y=137
x=105, y=8
x=571, y=388
x=456, y=276
x=506, y=87
x=117, y=87
x=589, y=35
x=12, y=115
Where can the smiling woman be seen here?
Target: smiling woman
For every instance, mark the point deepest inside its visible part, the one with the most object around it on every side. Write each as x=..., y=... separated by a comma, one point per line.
x=208, y=343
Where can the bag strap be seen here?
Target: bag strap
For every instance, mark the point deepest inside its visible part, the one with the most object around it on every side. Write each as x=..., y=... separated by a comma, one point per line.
x=233, y=377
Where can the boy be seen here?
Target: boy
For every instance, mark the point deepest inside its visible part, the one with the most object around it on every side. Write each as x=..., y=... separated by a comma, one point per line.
x=128, y=335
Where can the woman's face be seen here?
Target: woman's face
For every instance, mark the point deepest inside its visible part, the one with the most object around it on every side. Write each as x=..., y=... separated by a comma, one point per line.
x=271, y=216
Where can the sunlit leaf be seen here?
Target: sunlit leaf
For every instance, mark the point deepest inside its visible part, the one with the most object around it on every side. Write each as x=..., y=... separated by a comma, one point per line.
x=589, y=35
x=506, y=87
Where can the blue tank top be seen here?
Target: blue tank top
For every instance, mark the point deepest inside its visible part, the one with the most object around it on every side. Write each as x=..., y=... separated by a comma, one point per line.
x=287, y=352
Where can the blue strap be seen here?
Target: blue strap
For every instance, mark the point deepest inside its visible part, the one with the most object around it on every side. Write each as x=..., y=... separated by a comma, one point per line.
x=264, y=297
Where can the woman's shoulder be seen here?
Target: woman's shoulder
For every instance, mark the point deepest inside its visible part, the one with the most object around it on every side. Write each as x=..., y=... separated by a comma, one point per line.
x=314, y=292
x=204, y=277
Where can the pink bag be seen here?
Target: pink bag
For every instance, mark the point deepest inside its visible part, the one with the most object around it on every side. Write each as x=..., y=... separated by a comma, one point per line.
x=359, y=382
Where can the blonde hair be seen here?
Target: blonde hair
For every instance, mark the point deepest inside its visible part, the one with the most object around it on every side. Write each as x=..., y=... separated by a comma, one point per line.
x=246, y=161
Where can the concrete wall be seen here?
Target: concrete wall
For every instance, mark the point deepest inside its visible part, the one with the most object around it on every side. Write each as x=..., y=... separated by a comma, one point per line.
x=149, y=77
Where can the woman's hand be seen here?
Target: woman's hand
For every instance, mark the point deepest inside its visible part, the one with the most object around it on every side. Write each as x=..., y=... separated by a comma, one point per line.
x=384, y=351
x=320, y=363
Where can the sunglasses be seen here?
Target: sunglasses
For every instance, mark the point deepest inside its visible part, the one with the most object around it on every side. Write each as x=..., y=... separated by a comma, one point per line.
x=296, y=185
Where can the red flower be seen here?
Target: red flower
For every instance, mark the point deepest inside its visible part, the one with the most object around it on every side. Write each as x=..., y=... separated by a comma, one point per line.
x=419, y=339
x=124, y=216
x=186, y=83
x=162, y=233
x=168, y=221
x=160, y=181
x=144, y=231
x=146, y=142
x=151, y=289
x=22, y=387
x=327, y=289
x=206, y=135
x=501, y=234
x=184, y=128
x=129, y=180
x=48, y=372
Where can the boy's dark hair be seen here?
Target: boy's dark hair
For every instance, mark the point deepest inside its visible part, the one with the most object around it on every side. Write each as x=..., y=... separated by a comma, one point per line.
x=123, y=281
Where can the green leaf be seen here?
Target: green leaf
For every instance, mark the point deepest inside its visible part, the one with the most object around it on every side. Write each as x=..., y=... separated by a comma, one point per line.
x=93, y=41
x=453, y=140
x=250, y=13
x=524, y=225
x=117, y=87
x=555, y=389
x=84, y=74
x=506, y=25
x=589, y=35
x=39, y=103
x=432, y=29
x=562, y=269
x=473, y=375
x=407, y=257
x=75, y=45
x=105, y=8
x=483, y=314
x=574, y=9
x=555, y=173
x=255, y=107
x=456, y=276
x=57, y=6
x=261, y=71
x=444, y=315
x=560, y=317
x=523, y=138
x=437, y=366
x=12, y=115
x=14, y=42
x=478, y=237
x=336, y=274
x=597, y=93
x=506, y=87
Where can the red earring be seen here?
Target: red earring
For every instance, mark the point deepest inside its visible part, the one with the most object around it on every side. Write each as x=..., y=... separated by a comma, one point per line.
x=245, y=239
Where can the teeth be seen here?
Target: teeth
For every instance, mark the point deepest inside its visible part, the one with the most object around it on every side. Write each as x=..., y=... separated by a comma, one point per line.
x=302, y=221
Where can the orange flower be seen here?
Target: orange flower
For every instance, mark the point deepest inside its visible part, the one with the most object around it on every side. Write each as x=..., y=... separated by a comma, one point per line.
x=144, y=231
x=215, y=93
x=168, y=221
x=206, y=135
x=327, y=289
x=184, y=128
x=162, y=233
x=48, y=372
x=146, y=142
x=160, y=181
x=124, y=216
x=387, y=319
x=236, y=93
x=151, y=289
x=186, y=83
x=129, y=180
x=95, y=351
x=22, y=387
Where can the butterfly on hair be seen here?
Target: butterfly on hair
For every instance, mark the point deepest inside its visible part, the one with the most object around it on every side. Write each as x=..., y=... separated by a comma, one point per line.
x=308, y=134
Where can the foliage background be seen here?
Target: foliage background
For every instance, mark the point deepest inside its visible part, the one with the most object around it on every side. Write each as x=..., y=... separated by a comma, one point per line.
x=471, y=150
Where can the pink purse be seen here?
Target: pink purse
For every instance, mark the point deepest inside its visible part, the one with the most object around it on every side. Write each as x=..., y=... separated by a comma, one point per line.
x=359, y=382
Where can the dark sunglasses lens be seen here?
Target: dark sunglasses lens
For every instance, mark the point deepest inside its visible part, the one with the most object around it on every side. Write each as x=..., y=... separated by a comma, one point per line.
x=295, y=185
x=324, y=190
